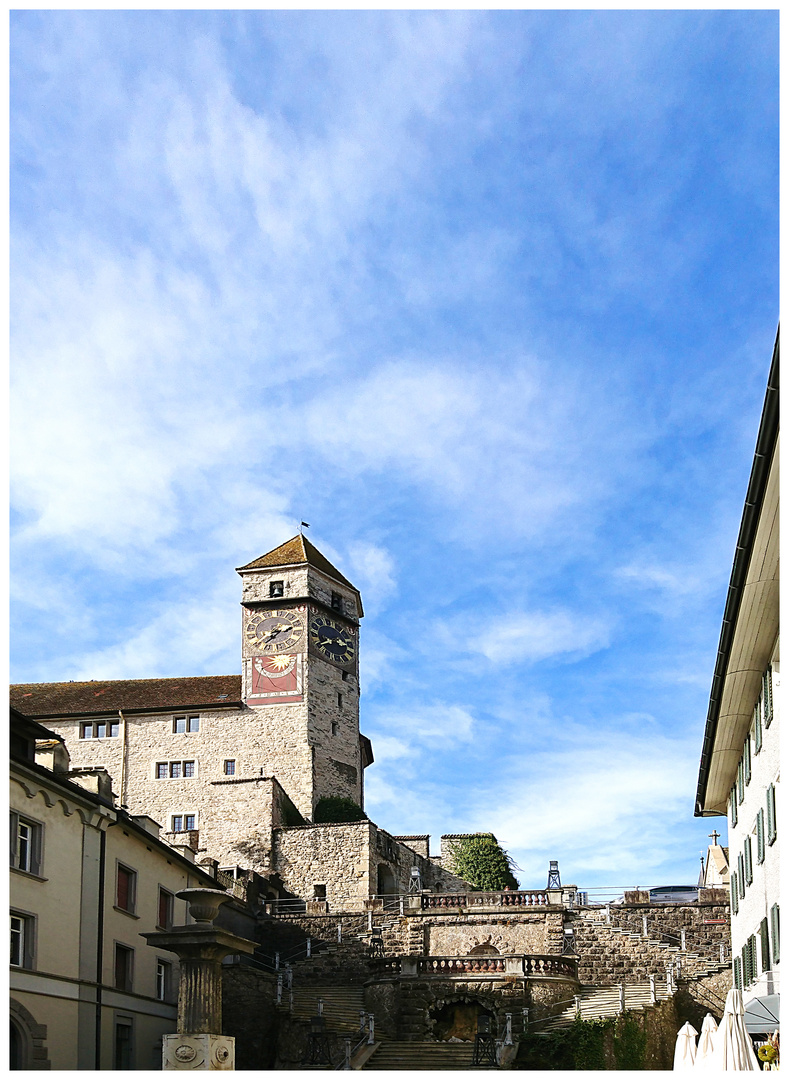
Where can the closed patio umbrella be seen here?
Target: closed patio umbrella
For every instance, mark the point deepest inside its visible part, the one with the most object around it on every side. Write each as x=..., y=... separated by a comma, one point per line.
x=733, y=1049
x=706, y=1041
x=685, y=1050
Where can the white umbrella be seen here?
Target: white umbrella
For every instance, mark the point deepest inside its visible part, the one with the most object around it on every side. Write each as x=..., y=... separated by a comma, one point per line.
x=732, y=1048
x=706, y=1040
x=685, y=1050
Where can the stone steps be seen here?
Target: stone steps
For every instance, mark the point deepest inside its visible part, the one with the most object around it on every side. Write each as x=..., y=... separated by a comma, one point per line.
x=425, y=1056
x=598, y=1002
x=341, y=1005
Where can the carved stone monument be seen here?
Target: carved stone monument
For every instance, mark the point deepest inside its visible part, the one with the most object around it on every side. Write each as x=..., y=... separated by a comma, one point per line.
x=200, y=948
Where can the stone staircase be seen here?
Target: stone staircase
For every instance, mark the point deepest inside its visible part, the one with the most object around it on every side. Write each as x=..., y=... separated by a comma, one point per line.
x=422, y=1056
x=612, y=954
x=603, y=1001
x=341, y=1005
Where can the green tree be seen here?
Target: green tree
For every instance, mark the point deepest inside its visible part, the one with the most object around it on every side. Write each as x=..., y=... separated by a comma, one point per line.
x=482, y=862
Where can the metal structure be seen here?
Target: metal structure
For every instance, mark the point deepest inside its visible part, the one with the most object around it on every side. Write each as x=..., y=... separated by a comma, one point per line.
x=554, y=881
x=415, y=881
x=318, y=1052
x=568, y=942
x=376, y=943
x=484, y=1044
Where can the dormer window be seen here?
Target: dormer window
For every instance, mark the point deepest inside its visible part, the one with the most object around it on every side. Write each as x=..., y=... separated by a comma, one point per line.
x=276, y=588
x=336, y=601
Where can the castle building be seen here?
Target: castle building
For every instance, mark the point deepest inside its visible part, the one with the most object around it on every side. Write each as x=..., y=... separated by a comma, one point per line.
x=739, y=773
x=235, y=765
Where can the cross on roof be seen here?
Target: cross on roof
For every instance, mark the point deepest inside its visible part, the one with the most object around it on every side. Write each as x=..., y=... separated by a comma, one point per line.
x=714, y=837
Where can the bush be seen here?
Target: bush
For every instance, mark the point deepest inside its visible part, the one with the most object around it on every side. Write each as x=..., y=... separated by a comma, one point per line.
x=482, y=862
x=336, y=808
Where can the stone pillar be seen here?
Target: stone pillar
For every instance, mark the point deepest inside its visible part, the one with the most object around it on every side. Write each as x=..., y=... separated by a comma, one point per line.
x=200, y=948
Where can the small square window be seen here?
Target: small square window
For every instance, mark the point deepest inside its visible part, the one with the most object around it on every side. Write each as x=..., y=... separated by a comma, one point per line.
x=335, y=728
x=164, y=973
x=22, y=937
x=189, y=822
x=175, y=770
x=161, y=770
x=164, y=914
x=101, y=731
x=126, y=890
x=182, y=724
x=339, y=701
x=26, y=842
x=189, y=768
x=178, y=823
x=124, y=967
x=86, y=731
x=276, y=588
x=345, y=676
x=336, y=601
x=230, y=767
x=114, y=729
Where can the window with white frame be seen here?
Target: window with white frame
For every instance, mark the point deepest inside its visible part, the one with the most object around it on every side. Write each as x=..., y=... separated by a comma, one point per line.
x=184, y=724
x=230, y=767
x=183, y=822
x=100, y=729
x=164, y=979
x=175, y=770
x=22, y=939
x=26, y=843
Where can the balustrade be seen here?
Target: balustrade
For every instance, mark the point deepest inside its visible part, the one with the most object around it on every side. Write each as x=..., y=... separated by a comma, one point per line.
x=484, y=964
x=525, y=898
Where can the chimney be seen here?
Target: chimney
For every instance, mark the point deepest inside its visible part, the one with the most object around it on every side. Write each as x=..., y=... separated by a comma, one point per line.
x=52, y=754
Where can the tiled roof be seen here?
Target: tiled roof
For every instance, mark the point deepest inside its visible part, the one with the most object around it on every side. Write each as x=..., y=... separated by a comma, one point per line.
x=294, y=551
x=134, y=695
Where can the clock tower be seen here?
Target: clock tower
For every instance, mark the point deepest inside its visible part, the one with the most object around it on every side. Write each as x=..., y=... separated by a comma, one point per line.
x=300, y=672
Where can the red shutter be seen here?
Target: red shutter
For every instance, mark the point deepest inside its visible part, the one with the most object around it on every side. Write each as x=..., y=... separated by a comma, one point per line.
x=124, y=883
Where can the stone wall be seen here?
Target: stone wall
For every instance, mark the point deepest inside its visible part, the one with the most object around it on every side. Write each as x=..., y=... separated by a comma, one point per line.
x=537, y=932
x=249, y=1014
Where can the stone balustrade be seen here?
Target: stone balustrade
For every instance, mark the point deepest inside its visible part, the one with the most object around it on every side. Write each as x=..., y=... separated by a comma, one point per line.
x=526, y=898
x=485, y=964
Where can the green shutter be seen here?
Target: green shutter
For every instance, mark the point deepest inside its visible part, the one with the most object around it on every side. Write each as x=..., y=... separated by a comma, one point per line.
x=757, y=728
x=767, y=696
x=771, y=829
x=746, y=967
x=733, y=807
x=740, y=782
x=764, y=935
x=775, y=932
x=14, y=836
x=735, y=900
x=754, y=961
x=748, y=861
x=738, y=973
x=746, y=759
x=760, y=836
x=741, y=875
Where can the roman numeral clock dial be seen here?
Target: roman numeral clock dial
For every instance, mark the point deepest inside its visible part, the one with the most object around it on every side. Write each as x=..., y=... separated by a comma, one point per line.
x=273, y=632
x=332, y=640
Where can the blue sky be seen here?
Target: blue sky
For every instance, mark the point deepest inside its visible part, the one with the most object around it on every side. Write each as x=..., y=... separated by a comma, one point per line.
x=488, y=298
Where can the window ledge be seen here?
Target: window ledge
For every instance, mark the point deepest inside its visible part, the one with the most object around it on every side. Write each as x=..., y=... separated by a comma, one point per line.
x=27, y=873
x=123, y=911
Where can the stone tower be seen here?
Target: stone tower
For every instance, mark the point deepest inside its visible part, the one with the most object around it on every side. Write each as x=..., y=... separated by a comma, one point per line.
x=300, y=672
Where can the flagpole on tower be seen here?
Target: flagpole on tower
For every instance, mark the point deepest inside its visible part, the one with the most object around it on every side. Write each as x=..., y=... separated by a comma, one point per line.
x=304, y=525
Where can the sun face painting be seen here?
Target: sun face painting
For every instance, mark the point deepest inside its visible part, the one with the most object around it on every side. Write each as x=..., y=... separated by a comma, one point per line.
x=276, y=679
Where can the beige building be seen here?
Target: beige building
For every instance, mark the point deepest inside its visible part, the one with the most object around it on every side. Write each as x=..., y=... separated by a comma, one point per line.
x=235, y=765
x=740, y=770
x=87, y=879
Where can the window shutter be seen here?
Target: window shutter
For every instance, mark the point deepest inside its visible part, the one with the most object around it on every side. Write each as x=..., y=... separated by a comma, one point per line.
x=748, y=861
x=733, y=807
x=746, y=759
x=35, y=849
x=735, y=900
x=741, y=875
x=738, y=973
x=754, y=960
x=771, y=830
x=775, y=932
x=767, y=696
x=760, y=836
x=740, y=781
x=757, y=728
x=14, y=835
x=746, y=967
x=764, y=935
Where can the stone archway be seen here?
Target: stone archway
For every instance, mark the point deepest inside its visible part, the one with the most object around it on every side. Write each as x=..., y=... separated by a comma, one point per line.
x=455, y=1019
x=28, y=1040
x=387, y=883
x=485, y=949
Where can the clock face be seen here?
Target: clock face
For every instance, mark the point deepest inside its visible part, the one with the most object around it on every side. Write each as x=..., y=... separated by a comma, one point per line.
x=274, y=631
x=332, y=640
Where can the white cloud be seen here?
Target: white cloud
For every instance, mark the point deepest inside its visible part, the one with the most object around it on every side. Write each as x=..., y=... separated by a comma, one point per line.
x=372, y=570
x=526, y=636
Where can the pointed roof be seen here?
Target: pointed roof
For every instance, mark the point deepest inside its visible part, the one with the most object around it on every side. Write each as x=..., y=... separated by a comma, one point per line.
x=296, y=551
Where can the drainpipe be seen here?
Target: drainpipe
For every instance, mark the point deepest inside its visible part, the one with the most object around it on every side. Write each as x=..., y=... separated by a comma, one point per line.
x=123, y=761
x=100, y=944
